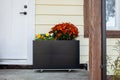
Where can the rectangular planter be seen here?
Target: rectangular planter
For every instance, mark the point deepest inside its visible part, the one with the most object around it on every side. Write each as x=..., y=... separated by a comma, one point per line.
x=56, y=54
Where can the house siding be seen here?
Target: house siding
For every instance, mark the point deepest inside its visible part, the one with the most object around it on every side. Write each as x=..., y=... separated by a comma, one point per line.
x=111, y=52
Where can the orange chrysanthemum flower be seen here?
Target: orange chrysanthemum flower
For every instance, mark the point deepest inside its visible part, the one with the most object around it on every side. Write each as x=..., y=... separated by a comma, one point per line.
x=64, y=31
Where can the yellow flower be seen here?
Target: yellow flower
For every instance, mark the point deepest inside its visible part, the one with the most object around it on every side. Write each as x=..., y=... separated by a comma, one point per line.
x=47, y=34
x=41, y=37
x=38, y=35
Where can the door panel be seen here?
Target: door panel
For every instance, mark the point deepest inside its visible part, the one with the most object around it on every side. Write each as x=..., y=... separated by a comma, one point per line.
x=14, y=29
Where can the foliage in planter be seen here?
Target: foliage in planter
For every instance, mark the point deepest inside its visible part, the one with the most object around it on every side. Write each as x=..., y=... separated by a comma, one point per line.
x=43, y=37
x=115, y=66
x=63, y=31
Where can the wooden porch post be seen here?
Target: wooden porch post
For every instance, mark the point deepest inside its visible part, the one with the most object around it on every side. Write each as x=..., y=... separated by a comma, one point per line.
x=95, y=39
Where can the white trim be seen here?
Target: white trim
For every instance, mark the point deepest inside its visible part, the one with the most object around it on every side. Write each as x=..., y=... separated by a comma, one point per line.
x=14, y=62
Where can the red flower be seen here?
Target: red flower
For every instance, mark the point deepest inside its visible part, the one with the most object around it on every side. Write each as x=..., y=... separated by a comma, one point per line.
x=64, y=31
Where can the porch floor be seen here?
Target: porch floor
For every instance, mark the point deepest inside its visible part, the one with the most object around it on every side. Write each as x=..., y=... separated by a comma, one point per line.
x=30, y=74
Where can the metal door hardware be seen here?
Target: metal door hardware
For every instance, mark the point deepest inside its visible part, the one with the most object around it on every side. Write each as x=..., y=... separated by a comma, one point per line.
x=25, y=13
x=25, y=6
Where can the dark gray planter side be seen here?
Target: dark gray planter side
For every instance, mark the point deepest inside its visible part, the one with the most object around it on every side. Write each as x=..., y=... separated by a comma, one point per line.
x=55, y=54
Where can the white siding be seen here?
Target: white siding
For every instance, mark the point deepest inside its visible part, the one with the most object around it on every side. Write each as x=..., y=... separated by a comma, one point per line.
x=111, y=42
x=59, y=10
x=54, y=19
x=60, y=2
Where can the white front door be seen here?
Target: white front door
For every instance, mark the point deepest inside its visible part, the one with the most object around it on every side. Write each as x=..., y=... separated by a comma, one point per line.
x=16, y=31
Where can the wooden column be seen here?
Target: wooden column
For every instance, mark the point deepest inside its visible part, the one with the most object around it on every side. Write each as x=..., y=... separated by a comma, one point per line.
x=95, y=39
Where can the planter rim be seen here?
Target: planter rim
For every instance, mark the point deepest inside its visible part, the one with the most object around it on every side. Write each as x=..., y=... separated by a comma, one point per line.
x=56, y=40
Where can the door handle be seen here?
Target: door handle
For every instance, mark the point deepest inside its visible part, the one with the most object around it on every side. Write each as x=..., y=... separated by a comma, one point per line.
x=25, y=13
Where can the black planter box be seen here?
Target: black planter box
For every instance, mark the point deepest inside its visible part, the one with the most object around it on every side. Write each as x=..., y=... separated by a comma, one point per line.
x=56, y=54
